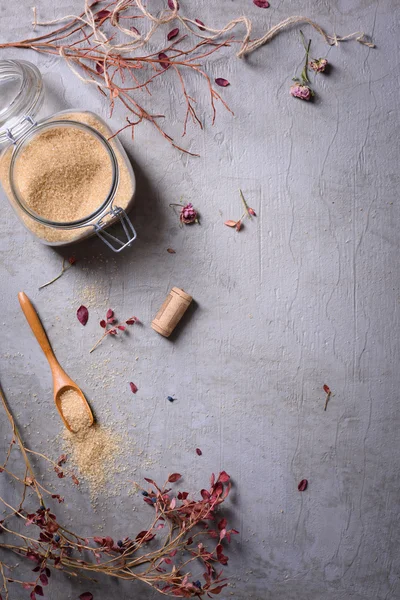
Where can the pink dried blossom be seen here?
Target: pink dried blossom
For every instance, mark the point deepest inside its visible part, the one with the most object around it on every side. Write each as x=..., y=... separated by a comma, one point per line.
x=300, y=91
x=318, y=65
x=188, y=214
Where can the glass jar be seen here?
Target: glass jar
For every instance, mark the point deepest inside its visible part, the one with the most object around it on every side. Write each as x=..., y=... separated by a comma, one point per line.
x=66, y=177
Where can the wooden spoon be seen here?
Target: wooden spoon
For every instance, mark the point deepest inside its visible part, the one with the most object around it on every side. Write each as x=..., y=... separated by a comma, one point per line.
x=61, y=381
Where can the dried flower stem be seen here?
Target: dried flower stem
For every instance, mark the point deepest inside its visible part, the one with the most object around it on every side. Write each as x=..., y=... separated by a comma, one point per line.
x=246, y=206
x=99, y=341
x=328, y=397
x=64, y=268
x=304, y=73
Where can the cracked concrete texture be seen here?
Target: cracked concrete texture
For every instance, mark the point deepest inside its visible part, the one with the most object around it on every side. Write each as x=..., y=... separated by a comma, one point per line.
x=306, y=294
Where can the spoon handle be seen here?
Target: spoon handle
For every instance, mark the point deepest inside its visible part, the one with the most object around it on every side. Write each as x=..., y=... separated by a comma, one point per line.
x=37, y=327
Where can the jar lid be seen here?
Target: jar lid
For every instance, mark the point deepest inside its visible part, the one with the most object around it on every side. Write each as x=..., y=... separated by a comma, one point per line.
x=21, y=97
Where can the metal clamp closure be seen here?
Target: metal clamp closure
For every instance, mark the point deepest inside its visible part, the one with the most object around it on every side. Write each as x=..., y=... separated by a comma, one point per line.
x=113, y=242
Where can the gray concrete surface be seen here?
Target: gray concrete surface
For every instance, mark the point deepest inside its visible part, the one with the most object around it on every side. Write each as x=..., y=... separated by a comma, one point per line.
x=306, y=294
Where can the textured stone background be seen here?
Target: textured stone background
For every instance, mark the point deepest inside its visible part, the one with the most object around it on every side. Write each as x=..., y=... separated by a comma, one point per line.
x=306, y=294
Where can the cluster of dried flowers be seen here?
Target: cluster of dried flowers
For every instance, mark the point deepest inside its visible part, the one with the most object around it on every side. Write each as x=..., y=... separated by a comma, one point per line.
x=301, y=88
x=184, y=531
x=112, y=326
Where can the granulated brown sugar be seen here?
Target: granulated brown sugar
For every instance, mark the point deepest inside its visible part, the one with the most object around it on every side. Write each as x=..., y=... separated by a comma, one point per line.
x=51, y=235
x=74, y=410
x=64, y=174
x=93, y=450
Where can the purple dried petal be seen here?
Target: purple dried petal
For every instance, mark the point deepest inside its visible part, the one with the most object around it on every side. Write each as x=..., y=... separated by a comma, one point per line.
x=99, y=68
x=102, y=14
x=200, y=24
x=103, y=324
x=134, y=387
x=86, y=596
x=83, y=314
x=110, y=314
x=173, y=33
x=171, y=4
x=163, y=58
x=222, y=82
x=302, y=485
x=261, y=3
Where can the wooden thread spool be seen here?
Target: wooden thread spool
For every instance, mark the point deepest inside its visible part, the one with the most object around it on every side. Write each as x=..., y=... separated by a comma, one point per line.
x=174, y=307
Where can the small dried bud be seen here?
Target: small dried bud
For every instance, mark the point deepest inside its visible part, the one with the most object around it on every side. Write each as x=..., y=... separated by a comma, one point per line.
x=188, y=214
x=319, y=65
x=300, y=91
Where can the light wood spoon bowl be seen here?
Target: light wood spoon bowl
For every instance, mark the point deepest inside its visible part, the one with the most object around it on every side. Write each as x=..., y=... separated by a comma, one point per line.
x=61, y=381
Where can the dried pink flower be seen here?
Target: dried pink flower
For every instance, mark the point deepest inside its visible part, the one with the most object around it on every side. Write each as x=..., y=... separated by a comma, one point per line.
x=188, y=214
x=318, y=65
x=300, y=91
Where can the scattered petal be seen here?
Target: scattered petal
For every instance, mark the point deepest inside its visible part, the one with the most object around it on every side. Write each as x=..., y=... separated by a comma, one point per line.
x=230, y=223
x=83, y=314
x=134, y=388
x=200, y=24
x=110, y=314
x=239, y=225
x=132, y=321
x=174, y=477
x=99, y=68
x=171, y=4
x=163, y=58
x=173, y=33
x=103, y=324
x=72, y=260
x=261, y=3
x=75, y=480
x=171, y=251
x=326, y=389
x=302, y=485
x=86, y=596
x=170, y=398
x=102, y=14
x=222, y=82
x=198, y=451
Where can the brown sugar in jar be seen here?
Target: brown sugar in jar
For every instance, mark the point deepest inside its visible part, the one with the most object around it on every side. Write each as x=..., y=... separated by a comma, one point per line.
x=65, y=180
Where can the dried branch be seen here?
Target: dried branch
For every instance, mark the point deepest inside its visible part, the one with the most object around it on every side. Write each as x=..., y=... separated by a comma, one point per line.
x=181, y=533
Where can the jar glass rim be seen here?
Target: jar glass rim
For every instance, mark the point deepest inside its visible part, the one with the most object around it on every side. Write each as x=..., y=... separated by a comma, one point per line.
x=23, y=82
x=109, y=197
